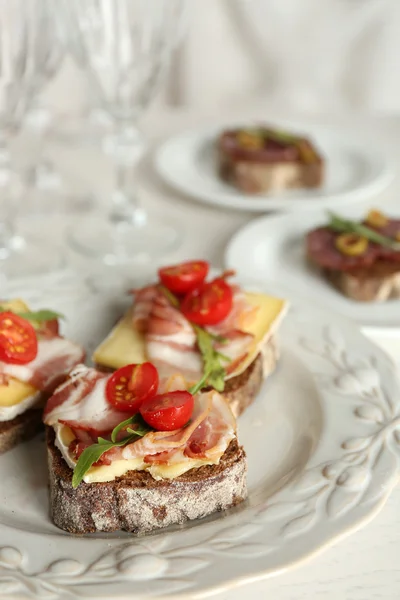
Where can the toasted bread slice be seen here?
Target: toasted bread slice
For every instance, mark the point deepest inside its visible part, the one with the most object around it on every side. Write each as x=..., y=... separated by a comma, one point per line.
x=377, y=283
x=20, y=429
x=138, y=503
x=260, y=177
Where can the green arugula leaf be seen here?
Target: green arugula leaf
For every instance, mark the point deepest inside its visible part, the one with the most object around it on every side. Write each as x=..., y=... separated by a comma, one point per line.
x=214, y=372
x=92, y=453
x=40, y=316
x=170, y=296
x=121, y=425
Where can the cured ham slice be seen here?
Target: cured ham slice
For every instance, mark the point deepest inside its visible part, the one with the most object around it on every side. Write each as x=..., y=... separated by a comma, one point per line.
x=208, y=434
x=56, y=357
x=241, y=314
x=143, y=305
x=162, y=441
x=171, y=342
x=81, y=404
x=235, y=346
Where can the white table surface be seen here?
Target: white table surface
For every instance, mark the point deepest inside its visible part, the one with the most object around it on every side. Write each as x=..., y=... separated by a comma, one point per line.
x=366, y=565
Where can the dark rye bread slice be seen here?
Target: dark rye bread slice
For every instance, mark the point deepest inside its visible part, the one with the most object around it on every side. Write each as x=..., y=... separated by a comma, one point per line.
x=20, y=429
x=241, y=391
x=138, y=503
x=375, y=283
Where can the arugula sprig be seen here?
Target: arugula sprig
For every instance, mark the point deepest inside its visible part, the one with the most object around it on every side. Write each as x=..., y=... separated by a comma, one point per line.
x=92, y=453
x=214, y=371
x=341, y=225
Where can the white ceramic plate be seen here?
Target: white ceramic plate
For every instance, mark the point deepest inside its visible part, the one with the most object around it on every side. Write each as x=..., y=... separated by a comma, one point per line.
x=356, y=169
x=273, y=249
x=322, y=443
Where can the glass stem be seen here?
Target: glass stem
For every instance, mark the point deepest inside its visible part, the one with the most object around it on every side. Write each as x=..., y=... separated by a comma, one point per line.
x=125, y=147
x=10, y=193
x=5, y=161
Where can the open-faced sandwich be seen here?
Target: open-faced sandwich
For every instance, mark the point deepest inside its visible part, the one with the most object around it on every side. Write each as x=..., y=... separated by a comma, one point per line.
x=262, y=159
x=207, y=330
x=361, y=259
x=34, y=358
x=129, y=451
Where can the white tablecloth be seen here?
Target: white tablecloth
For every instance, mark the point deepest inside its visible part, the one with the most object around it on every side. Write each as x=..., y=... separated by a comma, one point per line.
x=364, y=566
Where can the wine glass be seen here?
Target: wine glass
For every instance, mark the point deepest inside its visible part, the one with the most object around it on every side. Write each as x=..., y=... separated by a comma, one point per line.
x=48, y=190
x=125, y=47
x=24, y=31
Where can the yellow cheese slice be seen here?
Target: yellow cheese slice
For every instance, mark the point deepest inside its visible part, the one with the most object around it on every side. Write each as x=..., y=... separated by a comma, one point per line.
x=125, y=345
x=16, y=305
x=270, y=312
x=120, y=467
x=16, y=391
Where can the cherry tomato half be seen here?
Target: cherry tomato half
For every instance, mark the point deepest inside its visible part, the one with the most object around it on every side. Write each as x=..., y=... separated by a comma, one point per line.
x=208, y=304
x=182, y=278
x=131, y=385
x=167, y=412
x=18, y=341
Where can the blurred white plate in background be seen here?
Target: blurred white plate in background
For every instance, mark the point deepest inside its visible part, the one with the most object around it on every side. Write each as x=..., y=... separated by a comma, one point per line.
x=355, y=169
x=272, y=249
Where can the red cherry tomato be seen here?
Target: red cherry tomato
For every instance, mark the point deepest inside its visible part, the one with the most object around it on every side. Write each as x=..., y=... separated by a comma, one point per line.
x=18, y=341
x=167, y=412
x=182, y=278
x=131, y=385
x=208, y=304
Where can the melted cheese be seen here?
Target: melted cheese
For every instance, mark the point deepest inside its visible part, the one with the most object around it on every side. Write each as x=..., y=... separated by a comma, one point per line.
x=16, y=305
x=266, y=322
x=125, y=345
x=15, y=391
x=118, y=468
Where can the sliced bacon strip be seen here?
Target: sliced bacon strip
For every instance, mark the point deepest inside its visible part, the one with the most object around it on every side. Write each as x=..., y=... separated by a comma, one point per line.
x=207, y=436
x=171, y=343
x=142, y=307
x=236, y=346
x=211, y=438
x=56, y=357
x=161, y=441
x=81, y=404
x=79, y=383
x=241, y=315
